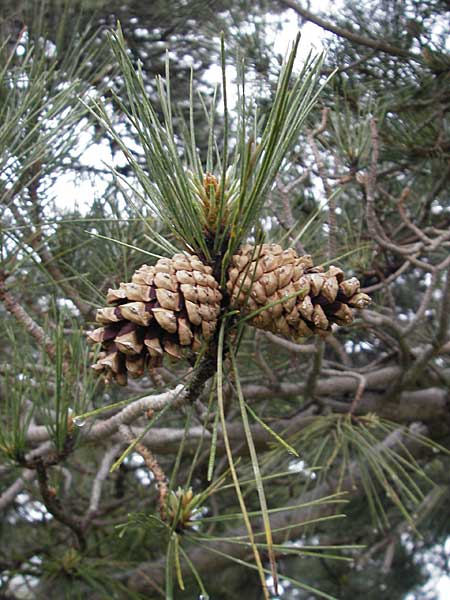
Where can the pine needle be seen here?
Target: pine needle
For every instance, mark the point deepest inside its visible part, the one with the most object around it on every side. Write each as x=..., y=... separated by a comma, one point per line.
x=220, y=352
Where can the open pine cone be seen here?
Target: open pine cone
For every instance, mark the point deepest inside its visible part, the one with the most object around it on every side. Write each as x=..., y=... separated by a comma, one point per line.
x=303, y=299
x=175, y=304
x=165, y=309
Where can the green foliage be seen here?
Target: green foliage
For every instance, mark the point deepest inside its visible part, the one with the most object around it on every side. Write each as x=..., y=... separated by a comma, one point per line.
x=39, y=107
x=341, y=443
x=51, y=391
x=212, y=216
x=15, y=414
x=330, y=458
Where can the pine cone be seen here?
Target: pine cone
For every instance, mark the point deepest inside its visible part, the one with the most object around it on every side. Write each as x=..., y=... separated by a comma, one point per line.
x=308, y=298
x=166, y=308
x=175, y=304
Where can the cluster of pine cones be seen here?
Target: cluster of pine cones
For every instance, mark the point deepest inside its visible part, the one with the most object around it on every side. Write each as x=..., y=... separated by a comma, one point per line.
x=173, y=306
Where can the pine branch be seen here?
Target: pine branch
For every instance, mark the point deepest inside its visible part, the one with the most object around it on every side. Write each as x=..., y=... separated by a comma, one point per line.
x=9, y=495
x=292, y=521
x=166, y=440
x=289, y=345
x=13, y=306
x=36, y=241
x=331, y=201
x=161, y=478
x=350, y=35
x=56, y=508
x=424, y=404
x=107, y=460
x=107, y=428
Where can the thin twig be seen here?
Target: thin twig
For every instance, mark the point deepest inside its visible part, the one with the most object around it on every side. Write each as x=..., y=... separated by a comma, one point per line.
x=100, y=477
x=392, y=277
x=427, y=297
x=350, y=35
x=262, y=363
x=362, y=382
x=154, y=467
x=331, y=202
x=406, y=220
x=334, y=343
x=410, y=251
x=370, y=181
x=9, y=495
x=313, y=375
x=14, y=307
x=55, y=507
x=291, y=346
x=352, y=65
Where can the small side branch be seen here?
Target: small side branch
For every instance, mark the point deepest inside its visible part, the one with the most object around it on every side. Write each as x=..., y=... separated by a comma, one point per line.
x=291, y=346
x=14, y=307
x=313, y=375
x=102, y=473
x=362, y=382
x=153, y=466
x=135, y=410
x=331, y=203
x=55, y=507
x=350, y=35
x=9, y=495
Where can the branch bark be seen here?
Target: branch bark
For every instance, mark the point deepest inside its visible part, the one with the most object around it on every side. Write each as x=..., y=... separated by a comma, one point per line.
x=13, y=306
x=349, y=35
x=9, y=495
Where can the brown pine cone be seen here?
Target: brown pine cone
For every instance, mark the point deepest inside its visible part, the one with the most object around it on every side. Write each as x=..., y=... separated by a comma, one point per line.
x=166, y=308
x=175, y=304
x=308, y=298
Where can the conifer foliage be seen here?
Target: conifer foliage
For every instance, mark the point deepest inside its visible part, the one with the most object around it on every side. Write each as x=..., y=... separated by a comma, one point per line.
x=224, y=368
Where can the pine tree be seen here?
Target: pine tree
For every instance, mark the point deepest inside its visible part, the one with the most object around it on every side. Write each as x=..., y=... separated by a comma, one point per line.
x=258, y=404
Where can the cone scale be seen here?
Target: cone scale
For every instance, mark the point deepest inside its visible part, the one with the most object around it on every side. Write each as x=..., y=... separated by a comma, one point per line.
x=172, y=307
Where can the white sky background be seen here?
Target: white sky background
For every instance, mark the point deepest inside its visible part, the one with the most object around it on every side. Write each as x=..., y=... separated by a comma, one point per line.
x=71, y=192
